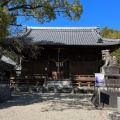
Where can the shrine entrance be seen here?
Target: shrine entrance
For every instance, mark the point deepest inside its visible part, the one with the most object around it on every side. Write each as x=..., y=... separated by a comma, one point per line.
x=59, y=64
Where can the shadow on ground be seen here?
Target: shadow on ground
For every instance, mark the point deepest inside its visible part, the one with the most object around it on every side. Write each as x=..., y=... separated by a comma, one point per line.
x=51, y=101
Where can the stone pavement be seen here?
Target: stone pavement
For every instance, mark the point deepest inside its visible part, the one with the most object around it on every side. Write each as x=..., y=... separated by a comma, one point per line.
x=51, y=106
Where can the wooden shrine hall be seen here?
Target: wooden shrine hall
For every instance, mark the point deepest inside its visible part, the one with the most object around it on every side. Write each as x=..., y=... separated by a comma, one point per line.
x=69, y=52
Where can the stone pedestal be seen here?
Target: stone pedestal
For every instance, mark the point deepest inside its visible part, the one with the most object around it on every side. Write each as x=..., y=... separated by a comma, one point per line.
x=118, y=104
x=109, y=70
x=5, y=92
x=106, y=97
x=58, y=85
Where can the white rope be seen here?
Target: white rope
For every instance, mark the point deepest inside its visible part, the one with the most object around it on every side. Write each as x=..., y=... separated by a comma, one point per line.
x=60, y=62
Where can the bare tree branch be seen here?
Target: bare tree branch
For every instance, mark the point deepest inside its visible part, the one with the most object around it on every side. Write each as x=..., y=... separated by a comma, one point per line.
x=16, y=24
x=27, y=7
x=5, y=3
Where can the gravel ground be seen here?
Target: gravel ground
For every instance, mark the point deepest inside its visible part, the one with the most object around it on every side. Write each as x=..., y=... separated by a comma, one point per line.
x=50, y=106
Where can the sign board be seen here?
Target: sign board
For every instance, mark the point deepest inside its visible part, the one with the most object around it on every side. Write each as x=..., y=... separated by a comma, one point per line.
x=104, y=98
x=99, y=79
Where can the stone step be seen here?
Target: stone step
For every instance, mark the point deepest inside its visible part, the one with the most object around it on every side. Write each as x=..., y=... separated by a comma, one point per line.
x=113, y=115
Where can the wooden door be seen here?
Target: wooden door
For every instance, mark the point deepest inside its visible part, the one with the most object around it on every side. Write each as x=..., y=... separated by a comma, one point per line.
x=62, y=69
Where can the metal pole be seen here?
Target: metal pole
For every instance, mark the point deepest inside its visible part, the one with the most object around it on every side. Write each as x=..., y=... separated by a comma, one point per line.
x=118, y=104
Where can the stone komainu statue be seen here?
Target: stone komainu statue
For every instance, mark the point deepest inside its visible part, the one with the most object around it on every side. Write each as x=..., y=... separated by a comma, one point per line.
x=108, y=59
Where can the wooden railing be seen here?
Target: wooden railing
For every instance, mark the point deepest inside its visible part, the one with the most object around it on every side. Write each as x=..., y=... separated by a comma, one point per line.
x=37, y=79
x=83, y=80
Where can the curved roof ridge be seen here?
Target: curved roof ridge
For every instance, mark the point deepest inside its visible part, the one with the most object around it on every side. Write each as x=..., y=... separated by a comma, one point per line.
x=25, y=34
x=109, y=39
x=96, y=33
x=32, y=27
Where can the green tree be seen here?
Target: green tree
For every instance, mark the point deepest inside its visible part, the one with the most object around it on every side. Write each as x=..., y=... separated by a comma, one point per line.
x=113, y=34
x=43, y=10
x=40, y=10
x=110, y=33
x=4, y=23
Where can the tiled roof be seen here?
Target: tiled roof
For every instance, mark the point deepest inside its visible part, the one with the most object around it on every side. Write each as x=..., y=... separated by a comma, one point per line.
x=68, y=36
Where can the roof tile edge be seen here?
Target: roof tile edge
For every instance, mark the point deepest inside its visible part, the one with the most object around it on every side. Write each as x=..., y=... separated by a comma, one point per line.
x=32, y=27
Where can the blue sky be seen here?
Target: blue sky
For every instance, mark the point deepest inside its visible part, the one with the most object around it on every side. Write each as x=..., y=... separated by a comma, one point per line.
x=103, y=13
